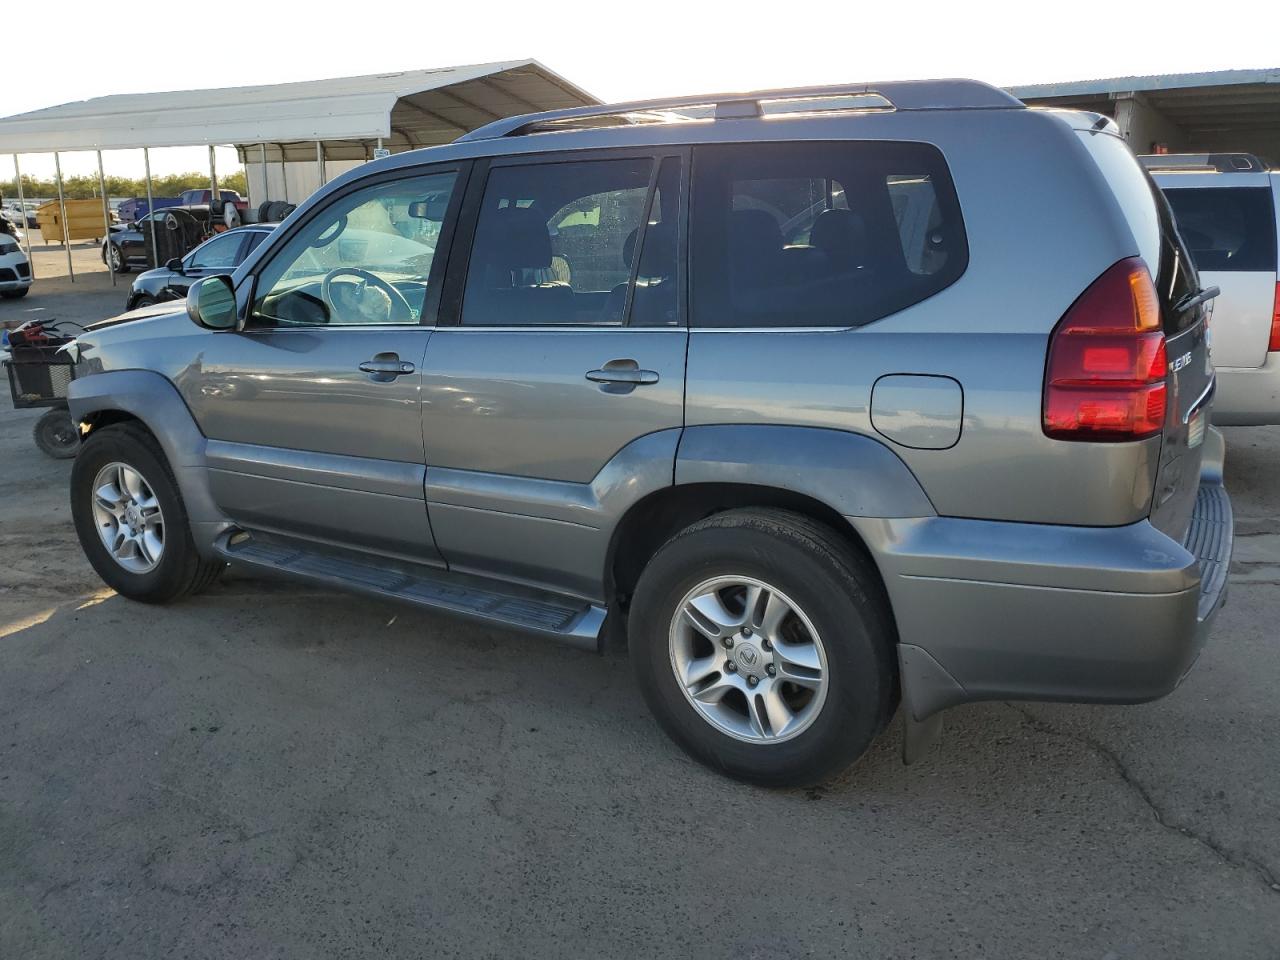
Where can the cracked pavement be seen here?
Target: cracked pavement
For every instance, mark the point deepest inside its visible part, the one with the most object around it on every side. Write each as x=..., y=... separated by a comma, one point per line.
x=273, y=771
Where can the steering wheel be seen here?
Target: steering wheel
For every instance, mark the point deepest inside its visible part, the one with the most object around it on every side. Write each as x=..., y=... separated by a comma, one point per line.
x=398, y=301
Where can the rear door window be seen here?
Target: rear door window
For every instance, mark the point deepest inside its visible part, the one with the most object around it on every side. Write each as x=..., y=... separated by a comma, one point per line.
x=575, y=243
x=820, y=234
x=1230, y=229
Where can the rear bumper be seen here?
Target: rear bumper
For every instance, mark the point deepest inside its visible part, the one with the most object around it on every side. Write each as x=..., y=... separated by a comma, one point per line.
x=1248, y=396
x=998, y=611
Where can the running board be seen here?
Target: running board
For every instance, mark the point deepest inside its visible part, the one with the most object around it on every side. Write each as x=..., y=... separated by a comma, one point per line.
x=566, y=619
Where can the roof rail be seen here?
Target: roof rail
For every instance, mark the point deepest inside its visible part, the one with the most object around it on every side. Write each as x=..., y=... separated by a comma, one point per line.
x=1203, y=162
x=897, y=95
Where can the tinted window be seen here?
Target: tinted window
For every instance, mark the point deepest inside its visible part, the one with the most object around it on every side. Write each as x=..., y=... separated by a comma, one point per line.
x=820, y=234
x=365, y=259
x=220, y=253
x=1227, y=228
x=556, y=243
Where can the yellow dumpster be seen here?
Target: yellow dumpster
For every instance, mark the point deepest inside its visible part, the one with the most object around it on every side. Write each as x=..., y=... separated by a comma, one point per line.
x=83, y=216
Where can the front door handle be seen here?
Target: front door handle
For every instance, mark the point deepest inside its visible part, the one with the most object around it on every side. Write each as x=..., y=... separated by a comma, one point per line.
x=621, y=376
x=385, y=367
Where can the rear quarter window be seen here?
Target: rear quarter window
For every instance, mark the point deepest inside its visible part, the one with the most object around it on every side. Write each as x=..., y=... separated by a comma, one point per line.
x=1229, y=229
x=820, y=234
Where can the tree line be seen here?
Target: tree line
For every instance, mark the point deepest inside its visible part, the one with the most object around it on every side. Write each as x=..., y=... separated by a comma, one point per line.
x=86, y=187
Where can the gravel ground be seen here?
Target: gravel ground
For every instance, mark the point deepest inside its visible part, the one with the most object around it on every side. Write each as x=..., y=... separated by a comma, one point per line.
x=270, y=770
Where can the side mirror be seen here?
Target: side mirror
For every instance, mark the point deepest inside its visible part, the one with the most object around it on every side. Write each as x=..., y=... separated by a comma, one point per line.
x=211, y=303
x=174, y=265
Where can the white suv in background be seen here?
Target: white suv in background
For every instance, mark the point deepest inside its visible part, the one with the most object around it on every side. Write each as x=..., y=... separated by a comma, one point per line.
x=1227, y=207
x=15, y=269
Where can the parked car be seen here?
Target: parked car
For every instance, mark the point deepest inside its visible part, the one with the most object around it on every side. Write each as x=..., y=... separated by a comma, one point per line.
x=898, y=395
x=22, y=215
x=15, y=269
x=177, y=231
x=1227, y=207
x=220, y=254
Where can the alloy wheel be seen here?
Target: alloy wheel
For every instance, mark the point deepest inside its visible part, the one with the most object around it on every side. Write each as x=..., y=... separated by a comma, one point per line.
x=748, y=659
x=128, y=517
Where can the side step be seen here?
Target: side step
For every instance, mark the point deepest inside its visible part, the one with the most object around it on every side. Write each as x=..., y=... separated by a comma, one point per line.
x=567, y=619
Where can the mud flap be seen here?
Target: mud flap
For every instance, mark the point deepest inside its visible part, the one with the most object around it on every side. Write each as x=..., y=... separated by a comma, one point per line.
x=927, y=689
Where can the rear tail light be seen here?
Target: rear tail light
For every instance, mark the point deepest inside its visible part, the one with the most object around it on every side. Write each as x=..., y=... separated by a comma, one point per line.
x=1105, y=379
x=1274, y=343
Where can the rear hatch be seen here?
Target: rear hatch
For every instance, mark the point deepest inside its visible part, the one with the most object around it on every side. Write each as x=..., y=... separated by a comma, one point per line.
x=1228, y=223
x=1187, y=325
x=1185, y=319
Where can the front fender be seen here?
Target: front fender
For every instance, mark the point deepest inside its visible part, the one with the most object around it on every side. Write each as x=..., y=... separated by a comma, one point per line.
x=154, y=401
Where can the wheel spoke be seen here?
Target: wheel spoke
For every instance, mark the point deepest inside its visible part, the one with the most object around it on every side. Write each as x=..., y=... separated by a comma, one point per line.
x=802, y=655
x=696, y=672
x=715, y=691
x=775, y=708
x=773, y=611
x=758, y=716
x=108, y=496
x=800, y=676
x=709, y=615
x=131, y=482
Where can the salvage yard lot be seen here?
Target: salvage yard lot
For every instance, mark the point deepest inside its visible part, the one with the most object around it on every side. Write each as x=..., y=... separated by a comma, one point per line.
x=272, y=770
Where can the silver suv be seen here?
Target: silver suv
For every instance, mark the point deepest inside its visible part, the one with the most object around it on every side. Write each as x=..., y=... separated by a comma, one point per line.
x=822, y=399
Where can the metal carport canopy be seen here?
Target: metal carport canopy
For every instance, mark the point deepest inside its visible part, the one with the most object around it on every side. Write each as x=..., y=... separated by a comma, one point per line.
x=430, y=106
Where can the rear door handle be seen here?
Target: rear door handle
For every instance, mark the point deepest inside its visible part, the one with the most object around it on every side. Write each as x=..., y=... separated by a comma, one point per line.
x=385, y=367
x=622, y=376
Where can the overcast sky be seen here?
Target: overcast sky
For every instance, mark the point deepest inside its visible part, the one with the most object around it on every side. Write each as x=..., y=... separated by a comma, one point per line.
x=616, y=51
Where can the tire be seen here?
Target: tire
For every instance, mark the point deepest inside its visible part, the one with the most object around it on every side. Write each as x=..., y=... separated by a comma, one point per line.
x=828, y=588
x=15, y=294
x=146, y=300
x=113, y=257
x=264, y=211
x=56, y=435
x=178, y=570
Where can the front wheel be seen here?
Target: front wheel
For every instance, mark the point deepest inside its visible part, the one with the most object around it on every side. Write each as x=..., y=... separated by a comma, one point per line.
x=56, y=435
x=115, y=259
x=764, y=646
x=130, y=518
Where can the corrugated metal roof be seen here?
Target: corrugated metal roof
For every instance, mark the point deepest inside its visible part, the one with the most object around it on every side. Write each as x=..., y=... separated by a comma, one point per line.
x=421, y=107
x=1167, y=81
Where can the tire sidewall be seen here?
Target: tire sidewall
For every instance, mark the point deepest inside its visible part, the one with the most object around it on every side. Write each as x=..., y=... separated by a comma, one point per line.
x=859, y=678
x=114, y=445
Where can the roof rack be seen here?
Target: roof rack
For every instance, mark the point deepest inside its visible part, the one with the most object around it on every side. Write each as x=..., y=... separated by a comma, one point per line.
x=1203, y=162
x=895, y=95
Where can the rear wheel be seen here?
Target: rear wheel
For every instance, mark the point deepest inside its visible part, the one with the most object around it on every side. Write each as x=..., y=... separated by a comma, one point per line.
x=56, y=435
x=764, y=646
x=130, y=518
